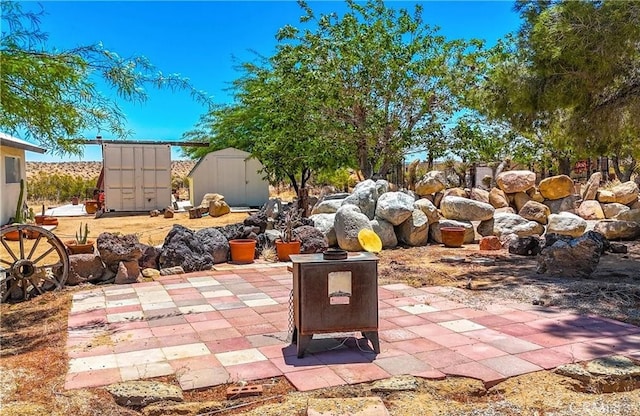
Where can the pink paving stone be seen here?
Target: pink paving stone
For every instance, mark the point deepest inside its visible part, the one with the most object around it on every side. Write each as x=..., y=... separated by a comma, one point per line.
x=256, y=329
x=237, y=313
x=136, y=345
x=263, y=340
x=126, y=326
x=453, y=340
x=430, y=330
x=89, y=350
x=475, y=370
x=218, y=334
x=210, y=325
x=246, y=320
x=403, y=364
x=408, y=320
x=207, y=377
x=396, y=302
x=399, y=334
x=171, y=330
x=93, y=378
x=291, y=363
x=520, y=316
x=479, y=351
x=547, y=324
x=621, y=345
x=546, y=358
x=131, y=334
x=486, y=335
x=547, y=339
x=387, y=312
x=446, y=305
x=583, y=351
x=414, y=346
x=492, y=321
x=268, y=309
x=385, y=294
x=228, y=344
x=431, y=374
x=517, y=330
x=203, y=316
x=253, y=371
x=442, y=358
x=123, y=309
x=344, y=356
x=195, y=363
x=513, y=345
x=360, y=373
x=387, y=350
x=87, y=318
x=273, y=351
x=179, y=339
x=313, y=379
x=498, y=309
x=468, y=313
x=396, y=287
x=169, y=321
x=510, y=365
x=384, y=324
x=436, y=317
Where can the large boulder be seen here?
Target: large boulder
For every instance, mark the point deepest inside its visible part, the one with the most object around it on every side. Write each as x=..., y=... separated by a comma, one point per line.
x=84, y=268
x=193, y=251
x=365, y=195
x=525, y=246
x=590, y=190
x=325, y=223
x=218, y=208
x=149, y=258
x=590, y=210
x=578, y=257
x=556, y=187
x=431, y=183
x=385, y=231
x=465, y=209
x=605, y=196
x=498, y=198
x=626, y=193
x=394, y=207
x=513, y=181
x=312, y=240
x=455, y=192
x=436, y=234
x=520, y=199
x=327, y=206
x=612, y=209
x=430, y=210
x=566, y=223
x=349, y=220
x=504, y=224
x=415, y=230
x=478, y=194
x=535, y=211
x=618, y=230
x=114, y=248
x=566, y=204
x=207, y=199
x=629, y=215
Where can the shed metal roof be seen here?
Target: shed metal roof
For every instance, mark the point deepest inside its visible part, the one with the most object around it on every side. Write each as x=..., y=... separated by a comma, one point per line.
x=10, y=141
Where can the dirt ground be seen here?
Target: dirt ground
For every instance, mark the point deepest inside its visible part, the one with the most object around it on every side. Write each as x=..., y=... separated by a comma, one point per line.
x=33, y=361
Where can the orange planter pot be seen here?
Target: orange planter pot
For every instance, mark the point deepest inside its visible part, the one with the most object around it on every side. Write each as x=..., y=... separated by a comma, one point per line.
x=12, y=235
x=74, y=248
x=49, y=221
x=452, y=236
x=285, y=249
x=91, y=206
x=243, y=251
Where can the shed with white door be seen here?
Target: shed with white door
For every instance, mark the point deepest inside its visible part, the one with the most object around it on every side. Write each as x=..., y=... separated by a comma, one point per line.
x=137, y=176
x=232, y=173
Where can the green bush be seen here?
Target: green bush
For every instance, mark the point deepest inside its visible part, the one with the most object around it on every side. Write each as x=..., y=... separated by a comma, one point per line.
x=59, y=188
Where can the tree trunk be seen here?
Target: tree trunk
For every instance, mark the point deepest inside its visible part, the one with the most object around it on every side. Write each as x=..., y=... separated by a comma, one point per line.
x=564, y=165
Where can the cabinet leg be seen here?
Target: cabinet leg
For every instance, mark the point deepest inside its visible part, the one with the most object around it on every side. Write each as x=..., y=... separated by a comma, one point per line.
x=303, y=342
x=375, y=341
x=294, y=336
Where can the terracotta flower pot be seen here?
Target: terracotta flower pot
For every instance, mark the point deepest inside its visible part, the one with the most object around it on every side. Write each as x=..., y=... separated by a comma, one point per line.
x=285, y=249
x=91, y=206
x=74, y=248
x=12, y=235
x=243, y=251
x=49, y=221
x=452, y=236
x=40, y=219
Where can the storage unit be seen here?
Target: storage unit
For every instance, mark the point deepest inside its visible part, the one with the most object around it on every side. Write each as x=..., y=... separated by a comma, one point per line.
x=12, y=170
x=137, y=177
x=334, y=296
x=232, y=173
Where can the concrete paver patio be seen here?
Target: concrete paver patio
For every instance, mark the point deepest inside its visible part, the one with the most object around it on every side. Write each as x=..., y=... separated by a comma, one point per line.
x=231, y=324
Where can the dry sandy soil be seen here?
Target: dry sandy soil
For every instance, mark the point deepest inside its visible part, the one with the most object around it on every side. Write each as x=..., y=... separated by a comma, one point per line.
x=33, y=360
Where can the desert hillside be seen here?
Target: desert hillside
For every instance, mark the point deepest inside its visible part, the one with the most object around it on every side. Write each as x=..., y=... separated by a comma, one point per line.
x=90, y=170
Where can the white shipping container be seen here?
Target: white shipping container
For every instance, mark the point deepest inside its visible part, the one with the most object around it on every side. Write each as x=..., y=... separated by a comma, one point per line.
x=137, y=177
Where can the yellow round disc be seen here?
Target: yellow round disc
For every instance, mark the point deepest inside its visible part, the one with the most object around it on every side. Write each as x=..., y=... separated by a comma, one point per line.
x=369, y=241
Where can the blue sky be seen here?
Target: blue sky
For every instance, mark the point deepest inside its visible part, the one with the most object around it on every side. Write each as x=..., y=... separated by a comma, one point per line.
x=205, y=40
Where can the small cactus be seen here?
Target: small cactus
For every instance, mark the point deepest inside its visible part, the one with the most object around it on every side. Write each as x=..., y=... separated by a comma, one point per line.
x=81, y=236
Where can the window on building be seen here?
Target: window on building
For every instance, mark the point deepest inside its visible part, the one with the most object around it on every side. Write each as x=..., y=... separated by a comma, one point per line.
x=12, y=169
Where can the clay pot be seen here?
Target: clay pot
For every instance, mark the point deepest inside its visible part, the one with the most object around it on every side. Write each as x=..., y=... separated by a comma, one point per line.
x=91, y=206
x=243, y=251
x=12, y=235
x=40, y=219
x=74, y=248
x=285, y=249
x=452, y=236
x=74, y=200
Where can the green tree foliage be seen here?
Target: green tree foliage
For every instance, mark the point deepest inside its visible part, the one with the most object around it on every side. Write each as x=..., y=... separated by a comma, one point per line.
x=352, y=91
x=50, y=95
x=59, y=187
x=571, y=76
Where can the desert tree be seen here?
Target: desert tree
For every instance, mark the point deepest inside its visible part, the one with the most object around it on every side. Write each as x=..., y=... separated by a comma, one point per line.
x=50, y=95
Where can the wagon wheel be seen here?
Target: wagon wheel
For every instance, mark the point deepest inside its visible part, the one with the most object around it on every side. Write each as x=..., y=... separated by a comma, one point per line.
x=32, y=261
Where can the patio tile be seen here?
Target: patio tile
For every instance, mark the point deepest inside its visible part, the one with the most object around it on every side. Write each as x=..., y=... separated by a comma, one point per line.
x=468, y=313
x=97, y=362
x=218, y=293
x=442, y=358
x=218, y=334
x=547, y=339
x=398, y=334
x=520, y=316
x=390, y=312
x=402, y=365
x=151, y=306
x=513, y=345
x=461, y=325
x=314, y=379
x=290, y=363
x=182, y=365
x=583, y=351
x=475, y=370
x=253, y=371
x=343, y=356
x=546, y=358
x=164, y=331
x=143, y=371
x=360, y=373
x=263, y=340
x=203, y=316
x=136, y=345
x=510, y=365
x=168, y=321
x=179, y=339
x=250, y=355
x=139, y=357
x=446, y=305
x=492, y=321
x=125, y=316
x=203, y=326
x=186, y=310
x=478, y=351
x=518, y=329
x=260, y=302
x=418, y=308
x=408, y=320
x=185, y=351
x=257, y=329
x=206, y=377
x=414, y=346
x=429, y=330
x=94, y=378
x=249, y=319
x=453, y=340
x=439, y=316
x=228, y=344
